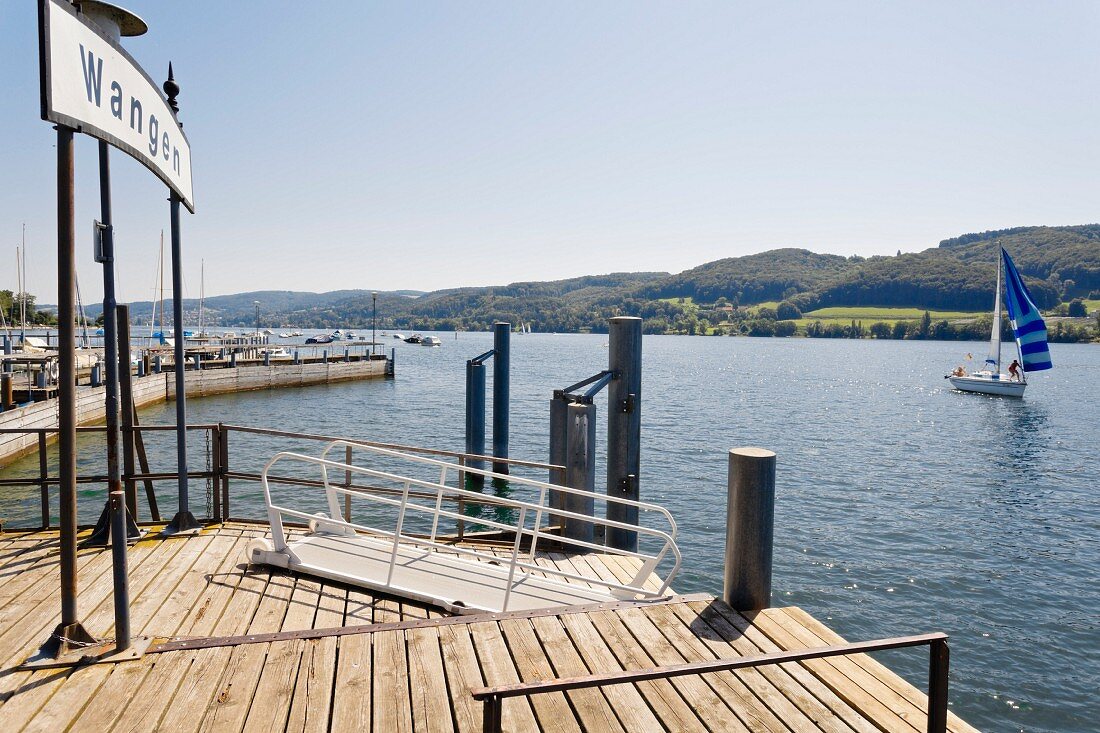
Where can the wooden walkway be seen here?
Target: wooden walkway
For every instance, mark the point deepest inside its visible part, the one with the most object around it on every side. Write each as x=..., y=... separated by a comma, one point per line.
x=416, y=672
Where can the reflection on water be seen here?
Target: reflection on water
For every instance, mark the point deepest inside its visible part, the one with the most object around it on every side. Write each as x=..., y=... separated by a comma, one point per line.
x=902, y=506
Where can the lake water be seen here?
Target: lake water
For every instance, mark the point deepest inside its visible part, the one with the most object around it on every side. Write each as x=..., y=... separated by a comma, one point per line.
x=902, y=507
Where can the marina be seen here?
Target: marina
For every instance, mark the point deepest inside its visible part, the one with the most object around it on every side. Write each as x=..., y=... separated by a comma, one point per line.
x=271, y=529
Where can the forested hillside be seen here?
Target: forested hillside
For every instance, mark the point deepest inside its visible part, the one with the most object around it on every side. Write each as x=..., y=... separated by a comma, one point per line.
x=1058, y=264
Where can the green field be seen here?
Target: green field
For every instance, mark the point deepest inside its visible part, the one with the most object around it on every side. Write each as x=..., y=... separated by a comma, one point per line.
x=848, y=314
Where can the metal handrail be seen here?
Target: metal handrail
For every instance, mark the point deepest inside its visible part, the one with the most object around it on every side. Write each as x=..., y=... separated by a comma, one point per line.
x=938, y=664
x=441, y=490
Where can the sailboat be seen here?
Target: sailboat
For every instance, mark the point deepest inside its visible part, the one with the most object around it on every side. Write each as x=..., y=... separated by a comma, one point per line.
x=1030, y=333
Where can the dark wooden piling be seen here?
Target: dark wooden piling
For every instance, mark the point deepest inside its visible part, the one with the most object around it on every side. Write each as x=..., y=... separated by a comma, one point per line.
x=750, y=513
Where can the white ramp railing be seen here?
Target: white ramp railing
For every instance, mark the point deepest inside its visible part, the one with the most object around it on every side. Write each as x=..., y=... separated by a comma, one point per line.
x=426, y=500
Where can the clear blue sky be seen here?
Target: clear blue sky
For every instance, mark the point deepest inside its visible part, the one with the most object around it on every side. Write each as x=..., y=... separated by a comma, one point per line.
x=427, y=145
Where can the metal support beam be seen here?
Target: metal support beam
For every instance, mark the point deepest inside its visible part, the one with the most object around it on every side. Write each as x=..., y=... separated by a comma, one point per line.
x=559, y=407
x=580, y=468
x=750, y=513
x=475, y=419
x=70, y=631
x=502, y=333
x=183, y=521
x=624, y=426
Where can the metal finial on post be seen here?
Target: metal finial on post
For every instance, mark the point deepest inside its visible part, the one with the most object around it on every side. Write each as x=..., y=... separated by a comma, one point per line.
x=172, y=90
x=750, y=515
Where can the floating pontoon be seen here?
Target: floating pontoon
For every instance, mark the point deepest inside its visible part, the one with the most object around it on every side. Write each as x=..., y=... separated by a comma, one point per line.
x=427, y=566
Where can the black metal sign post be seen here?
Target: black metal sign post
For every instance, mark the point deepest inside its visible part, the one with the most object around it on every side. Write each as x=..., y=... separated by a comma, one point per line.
x=184, y=521
x=70, y=633
x=83, y=72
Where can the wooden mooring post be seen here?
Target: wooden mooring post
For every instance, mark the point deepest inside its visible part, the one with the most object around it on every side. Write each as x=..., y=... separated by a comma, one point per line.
x=750, y=514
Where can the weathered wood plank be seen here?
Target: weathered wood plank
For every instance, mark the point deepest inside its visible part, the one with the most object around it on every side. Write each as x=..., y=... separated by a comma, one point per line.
x=497, y=668
x=858, y=698
x=774, y=675
x=237, y=685
x=351, y=709
x=126, y=679
x=803, y=676
x=311, y=703
x=431, y=708
x=699, y=642
x=596, y=708
x=646, y=649
x=533, y=664
x=392, y=706
x=667, y=707
x=463, y=672
x=876, y=669
x=274, y=692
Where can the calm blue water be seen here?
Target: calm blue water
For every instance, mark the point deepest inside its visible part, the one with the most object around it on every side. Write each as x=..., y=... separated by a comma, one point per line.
x=902, y=507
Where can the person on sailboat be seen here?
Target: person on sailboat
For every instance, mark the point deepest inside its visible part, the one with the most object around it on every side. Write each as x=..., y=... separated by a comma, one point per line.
x=1014, y=370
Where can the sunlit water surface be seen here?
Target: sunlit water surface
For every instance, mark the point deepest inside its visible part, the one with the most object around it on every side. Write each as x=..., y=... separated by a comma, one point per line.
x=902, y=507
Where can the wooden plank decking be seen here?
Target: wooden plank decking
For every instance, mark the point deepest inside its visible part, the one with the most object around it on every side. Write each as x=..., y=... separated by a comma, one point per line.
x=416, y=676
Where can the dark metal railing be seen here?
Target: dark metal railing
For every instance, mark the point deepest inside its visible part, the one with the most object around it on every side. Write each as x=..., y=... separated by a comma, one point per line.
x=220, y=472
x=938, y=663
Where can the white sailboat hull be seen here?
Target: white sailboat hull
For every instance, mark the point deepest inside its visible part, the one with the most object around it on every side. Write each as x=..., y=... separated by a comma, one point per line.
x=987, y=385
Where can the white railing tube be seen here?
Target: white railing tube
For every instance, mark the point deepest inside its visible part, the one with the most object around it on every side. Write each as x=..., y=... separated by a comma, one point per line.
x=397, y=532
x=650, y=561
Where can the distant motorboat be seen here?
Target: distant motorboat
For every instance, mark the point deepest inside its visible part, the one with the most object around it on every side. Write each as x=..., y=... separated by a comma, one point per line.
x=400, y=336
x=278, y=352
x=350, y=336
x=284, y=335
x=430, y=341
x=415, y=339
x=322, y=339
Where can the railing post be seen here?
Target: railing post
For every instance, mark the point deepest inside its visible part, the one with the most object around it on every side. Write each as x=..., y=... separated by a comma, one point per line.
x=126, y=407
x=750, y=512
x=624, y=426
x=502, y=333
x=44, y=475
x=491, y=714
x=216, y=471
x=580, y=469
x=7, y=402
x=347, y=484
x=939, y=660
x=224, y=466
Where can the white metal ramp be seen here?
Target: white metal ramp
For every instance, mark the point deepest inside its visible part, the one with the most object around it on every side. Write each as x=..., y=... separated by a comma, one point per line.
x=459, y=578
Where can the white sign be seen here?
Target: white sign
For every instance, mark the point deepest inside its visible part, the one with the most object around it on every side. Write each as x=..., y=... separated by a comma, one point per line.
x=93, y=86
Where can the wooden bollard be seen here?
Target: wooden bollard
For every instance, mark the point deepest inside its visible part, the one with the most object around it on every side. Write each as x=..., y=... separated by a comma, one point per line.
x=750, y=514
x=6, y=400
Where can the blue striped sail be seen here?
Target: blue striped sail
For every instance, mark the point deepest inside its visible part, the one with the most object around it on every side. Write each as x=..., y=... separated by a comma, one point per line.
x=1031, y=331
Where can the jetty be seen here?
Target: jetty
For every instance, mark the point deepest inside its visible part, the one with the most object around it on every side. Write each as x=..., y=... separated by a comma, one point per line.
x=234, y=645
x=29, y=413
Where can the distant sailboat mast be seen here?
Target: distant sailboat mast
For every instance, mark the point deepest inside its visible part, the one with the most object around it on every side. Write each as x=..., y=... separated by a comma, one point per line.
x=162, y=331
x=993, y=361
x=202, y=294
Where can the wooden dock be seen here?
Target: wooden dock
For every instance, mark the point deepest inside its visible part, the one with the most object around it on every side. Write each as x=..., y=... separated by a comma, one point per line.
x=407, y=667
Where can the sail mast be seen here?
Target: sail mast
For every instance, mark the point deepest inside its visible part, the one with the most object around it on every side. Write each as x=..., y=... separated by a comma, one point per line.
x=202, y=294
x=163, y=337
x=993, y=361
